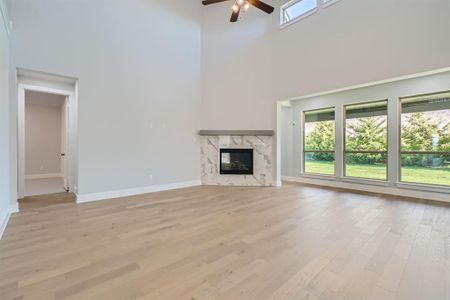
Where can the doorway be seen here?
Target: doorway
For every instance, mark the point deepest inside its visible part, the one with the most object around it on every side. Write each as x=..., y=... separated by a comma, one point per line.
x=45, y=143
x=46, y=137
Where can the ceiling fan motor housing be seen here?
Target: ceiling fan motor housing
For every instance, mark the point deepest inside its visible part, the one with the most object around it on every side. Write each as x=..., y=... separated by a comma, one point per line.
x=243, y=5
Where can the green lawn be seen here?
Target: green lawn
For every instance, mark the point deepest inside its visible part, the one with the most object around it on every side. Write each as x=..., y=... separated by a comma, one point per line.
x=439, y=176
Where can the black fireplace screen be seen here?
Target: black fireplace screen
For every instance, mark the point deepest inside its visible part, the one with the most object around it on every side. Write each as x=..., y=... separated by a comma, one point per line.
x=236, y=161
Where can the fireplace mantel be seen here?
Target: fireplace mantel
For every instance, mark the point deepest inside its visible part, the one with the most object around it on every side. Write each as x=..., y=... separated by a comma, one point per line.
x=235, y=132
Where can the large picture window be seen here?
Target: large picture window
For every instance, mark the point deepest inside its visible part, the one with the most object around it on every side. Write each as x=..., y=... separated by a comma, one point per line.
x=319, y=142
x=366, y=130
x=425, y=139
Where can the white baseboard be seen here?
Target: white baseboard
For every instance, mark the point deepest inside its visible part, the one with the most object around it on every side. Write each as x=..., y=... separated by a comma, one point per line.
x=371, y=188
x=4, y=218
x=44, y=176
x=83, y=198
x=14, y=208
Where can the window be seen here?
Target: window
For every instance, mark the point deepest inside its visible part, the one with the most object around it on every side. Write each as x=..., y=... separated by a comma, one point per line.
x=425, y=139
x=296, y=9
x=319, y=142
x=365, y=151
x=326, y=3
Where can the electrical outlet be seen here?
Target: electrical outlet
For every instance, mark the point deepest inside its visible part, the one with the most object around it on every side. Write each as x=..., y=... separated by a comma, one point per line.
x=41, y=168
x=150, y=177
x=150, y=125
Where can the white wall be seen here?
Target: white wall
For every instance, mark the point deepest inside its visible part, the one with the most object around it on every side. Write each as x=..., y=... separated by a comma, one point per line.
x=138, y=65
x=359, y=41
x=43, y=132
x=237, y=65
x=4, y=118
x=287, y=141
x=250, y=65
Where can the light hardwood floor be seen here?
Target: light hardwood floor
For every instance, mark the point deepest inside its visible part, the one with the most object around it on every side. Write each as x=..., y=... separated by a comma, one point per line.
x=294, y=242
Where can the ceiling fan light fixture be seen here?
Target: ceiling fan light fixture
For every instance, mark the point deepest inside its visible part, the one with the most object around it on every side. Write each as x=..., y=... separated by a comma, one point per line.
x=243, y=5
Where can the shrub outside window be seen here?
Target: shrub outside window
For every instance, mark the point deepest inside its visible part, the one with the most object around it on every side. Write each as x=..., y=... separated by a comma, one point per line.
x=319, y=141
x=425, y=139
x=365, y=152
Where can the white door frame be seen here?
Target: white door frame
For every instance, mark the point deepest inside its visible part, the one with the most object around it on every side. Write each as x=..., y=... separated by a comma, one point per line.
x=70, y=99
x=65, y=132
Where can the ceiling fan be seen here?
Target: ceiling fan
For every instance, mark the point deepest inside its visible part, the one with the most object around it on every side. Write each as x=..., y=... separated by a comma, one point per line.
x=243, y=5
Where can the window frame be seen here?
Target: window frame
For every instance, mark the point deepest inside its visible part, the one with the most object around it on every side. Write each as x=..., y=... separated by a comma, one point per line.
x=321, y=4
x=344, y=144
x=416, y=185
x=327, y=3
x=303, y=144
x=298, y=18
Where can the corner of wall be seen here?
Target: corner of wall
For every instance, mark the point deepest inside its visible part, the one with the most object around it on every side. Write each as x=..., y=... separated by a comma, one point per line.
x=4, y=218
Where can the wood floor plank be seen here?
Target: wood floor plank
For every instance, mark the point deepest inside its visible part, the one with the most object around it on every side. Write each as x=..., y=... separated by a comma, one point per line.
x=293, y=242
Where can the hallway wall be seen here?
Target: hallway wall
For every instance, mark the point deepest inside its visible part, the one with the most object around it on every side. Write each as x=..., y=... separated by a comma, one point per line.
x=43, y=130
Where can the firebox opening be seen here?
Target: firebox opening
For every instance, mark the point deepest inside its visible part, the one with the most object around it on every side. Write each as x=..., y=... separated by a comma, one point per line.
x=236, y=161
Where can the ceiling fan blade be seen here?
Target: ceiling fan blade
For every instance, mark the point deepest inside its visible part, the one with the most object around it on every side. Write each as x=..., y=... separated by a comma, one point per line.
x=235, y=14
x=207, y=2
x=262, y=6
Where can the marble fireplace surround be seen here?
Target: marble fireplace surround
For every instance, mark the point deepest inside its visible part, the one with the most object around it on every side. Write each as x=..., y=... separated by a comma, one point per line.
x=261, y=141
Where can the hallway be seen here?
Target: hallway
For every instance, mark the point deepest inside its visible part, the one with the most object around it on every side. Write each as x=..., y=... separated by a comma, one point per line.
x=44, y=186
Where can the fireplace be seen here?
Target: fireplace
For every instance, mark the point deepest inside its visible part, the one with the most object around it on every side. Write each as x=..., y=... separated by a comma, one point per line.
x=254, y=149
x=236, y=161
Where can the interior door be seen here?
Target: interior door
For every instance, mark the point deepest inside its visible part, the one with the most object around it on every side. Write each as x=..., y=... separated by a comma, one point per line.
x=65, y=144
